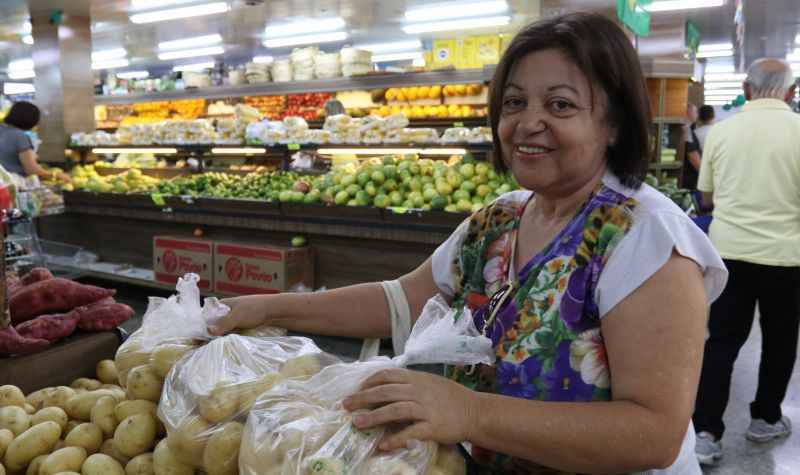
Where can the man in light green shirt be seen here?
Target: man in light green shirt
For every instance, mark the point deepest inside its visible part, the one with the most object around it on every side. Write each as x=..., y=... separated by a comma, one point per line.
x=751, y=173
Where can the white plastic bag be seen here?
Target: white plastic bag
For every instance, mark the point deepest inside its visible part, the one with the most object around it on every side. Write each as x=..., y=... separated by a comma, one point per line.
x=218, y=383
x=300, y=427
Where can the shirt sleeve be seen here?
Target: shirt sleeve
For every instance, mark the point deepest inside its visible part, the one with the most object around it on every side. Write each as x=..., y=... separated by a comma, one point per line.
x=705, y=180
x=649, y=244
x=444, y=260
x=22, y=142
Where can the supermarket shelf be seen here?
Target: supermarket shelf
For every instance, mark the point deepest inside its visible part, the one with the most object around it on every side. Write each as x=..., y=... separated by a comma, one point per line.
x=372, y=81
x=669, y=120
x=206, y=148
x=666, y=166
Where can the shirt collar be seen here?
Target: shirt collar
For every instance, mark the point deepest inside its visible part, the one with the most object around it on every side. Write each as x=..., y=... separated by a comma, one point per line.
x=766, y=104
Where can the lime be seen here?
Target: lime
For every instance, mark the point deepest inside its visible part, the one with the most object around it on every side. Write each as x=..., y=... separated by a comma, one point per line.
x=504, y=188
x=390, y=171
x=451, y=208
x=468, y=186
x=341, y=198
x=461, y=195
x=483, y=190
x=480, y=179
x=299, y=241
x=467, y=170
x=297, y=196
x=378, y=177
x=490, y=198
x=464, y=206
x=381, y=201
x=390, y=185
x=415, y=169
x=415, y=184
x=371, y=189
x=396, y=198
x=362, y=178
x=492, y=174
x=348, y=180
x=418, y=201
x=482, y=168
x=429, y=194
x=438, y=202
x=285, y=196
x=454, y=179
x=444, y=189
x=337, y=179
x=352, y=202
x=388, y=160
x=352, y=189
x=494, y=184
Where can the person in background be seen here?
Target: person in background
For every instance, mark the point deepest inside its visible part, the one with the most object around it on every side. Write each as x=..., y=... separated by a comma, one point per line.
x=705, y=119
x=751, y=173
x=334, y=107
x=691, y=165
x=17, y=153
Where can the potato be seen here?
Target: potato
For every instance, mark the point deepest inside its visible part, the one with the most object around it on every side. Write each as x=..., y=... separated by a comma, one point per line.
x=302, y=367
x=38, y=440
x=125, y=409
x=80, y=406
x=86, y=383
x=2, y=469
x=188, y=441
x=71, y=425
x=108, y=449
x=59, y=444
x=36, y=398
x=102, y=415
x=87, y=435
x=58, y=397
x=15, y=419
x=53, y=413
x=164, y=357
x=140, y=465
x=106, y=371
x=64, y=460
x=128, y=357
x=144, y=383
x=101, y=464
x=165, y=462
x=6, y=436
x=11, y=396
x=220, y=404
x=29, y=408
x=135, y=435
x=248, y=393
x=221, y=456
x=33, y=467
x=68, y=473
x=118, y=393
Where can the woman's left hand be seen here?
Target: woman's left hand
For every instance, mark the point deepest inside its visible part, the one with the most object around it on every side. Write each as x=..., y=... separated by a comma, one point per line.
x=435, y=408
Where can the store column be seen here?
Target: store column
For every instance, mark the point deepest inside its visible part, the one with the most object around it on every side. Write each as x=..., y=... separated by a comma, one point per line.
x=64, y=80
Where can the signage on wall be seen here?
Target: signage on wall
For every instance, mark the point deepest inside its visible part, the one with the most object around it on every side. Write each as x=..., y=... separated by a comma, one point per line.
x=633, y=15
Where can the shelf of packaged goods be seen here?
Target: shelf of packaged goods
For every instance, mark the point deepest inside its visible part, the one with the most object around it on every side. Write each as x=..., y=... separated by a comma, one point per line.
x=371, y=81
x=666, y=166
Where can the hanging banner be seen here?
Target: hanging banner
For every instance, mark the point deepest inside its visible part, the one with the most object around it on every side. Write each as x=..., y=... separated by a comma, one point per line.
x=692, y=37
x=633, y=15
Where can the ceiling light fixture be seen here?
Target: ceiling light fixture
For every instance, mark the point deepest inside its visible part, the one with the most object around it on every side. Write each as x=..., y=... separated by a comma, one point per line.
x=194, y=66
x=391, y=47
x=721, y=85
x=450, y=10
x=673, y=5
x=158, y=150
x=133, y=75
x=107, y=54
x=719, y=68
x=27, y=39
x=715, y=47
x=180, y=13
x=723, y=92
x=263, y=59
x=196, y=41
x=715, y=54
x=191, y=53
x=111, y=64
x=306, y=39
x=21, y=65
x=238, y=151
x=309, y=25
x=145, y=4
x=11, y=88
x=725, y=77
x=27, y=27
x=455, y=25
x=388, y=57
x=21, y=74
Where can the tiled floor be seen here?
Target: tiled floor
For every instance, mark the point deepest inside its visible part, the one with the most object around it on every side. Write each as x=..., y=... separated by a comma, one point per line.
x=742, y=457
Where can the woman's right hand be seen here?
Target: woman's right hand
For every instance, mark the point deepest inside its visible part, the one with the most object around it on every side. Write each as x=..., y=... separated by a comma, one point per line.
x=246, y=312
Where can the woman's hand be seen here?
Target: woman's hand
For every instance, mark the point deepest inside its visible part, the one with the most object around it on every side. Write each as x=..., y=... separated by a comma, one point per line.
x=246, y=312
x=64, y=178
x=435, y=408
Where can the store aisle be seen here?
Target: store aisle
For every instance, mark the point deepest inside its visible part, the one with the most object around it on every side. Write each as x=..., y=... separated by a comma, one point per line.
x=781, y=457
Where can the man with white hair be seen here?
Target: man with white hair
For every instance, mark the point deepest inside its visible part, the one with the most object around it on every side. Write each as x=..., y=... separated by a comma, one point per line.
x=751, y=173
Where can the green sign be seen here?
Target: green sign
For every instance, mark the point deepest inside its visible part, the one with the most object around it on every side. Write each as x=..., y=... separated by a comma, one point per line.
x=633, y=15
x=293, y=146
x=692, y=36
x=458, y=124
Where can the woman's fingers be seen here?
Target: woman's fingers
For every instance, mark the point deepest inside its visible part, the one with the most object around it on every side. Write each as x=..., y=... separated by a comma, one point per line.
x=396, y=412
x=378, y=395
x=386, y=376
x=418, y=431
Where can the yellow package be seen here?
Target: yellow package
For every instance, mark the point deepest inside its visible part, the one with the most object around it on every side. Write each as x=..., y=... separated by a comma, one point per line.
x=444, y=52
x=487, y=50
x=465, y=53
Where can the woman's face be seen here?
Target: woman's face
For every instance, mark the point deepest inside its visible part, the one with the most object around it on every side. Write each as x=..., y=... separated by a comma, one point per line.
x=553, y=133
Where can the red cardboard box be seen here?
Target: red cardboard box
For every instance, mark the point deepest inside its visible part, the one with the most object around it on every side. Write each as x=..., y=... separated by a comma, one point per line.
x=244, y=269
x=175, y=256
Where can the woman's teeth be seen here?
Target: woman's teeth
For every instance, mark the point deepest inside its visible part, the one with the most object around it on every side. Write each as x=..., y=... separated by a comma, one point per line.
x=532, y=150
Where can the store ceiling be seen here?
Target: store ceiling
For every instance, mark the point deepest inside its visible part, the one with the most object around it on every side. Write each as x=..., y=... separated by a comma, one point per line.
x=771, y=24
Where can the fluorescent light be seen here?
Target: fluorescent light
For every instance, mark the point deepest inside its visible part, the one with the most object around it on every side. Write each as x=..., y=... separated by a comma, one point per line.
x=10, y=88
x=719, y=68
x=21, y=65
x=391, y=47
x=27, y=39
x=190, y=42
x=27, y=27
x=161, y=150
x=111, y=64
x=797, y=39
x=104, y=55
x=445, y=11
x=194, y=66
x=714, y=47
x=133, y=75
x=715, y=54
x=191, y=53
x=725, y=77
x=723, y=92
x=179, y=13
x=306, y=25
x=238, y=151
x=671, y=5
x=383, y=58
x=22, y=74
x=443, y=151
x=391, y=151
x=145, y=4
x=454, y=25
x=715, y=103
x=306, y=39
x=263, y=59
x=721, y=85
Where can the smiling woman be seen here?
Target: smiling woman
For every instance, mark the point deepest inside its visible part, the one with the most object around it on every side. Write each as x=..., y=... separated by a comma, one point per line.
x=592, y=286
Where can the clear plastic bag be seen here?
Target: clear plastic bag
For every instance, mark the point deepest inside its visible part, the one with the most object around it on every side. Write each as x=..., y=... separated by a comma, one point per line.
x=300, y=427
x=218, y=383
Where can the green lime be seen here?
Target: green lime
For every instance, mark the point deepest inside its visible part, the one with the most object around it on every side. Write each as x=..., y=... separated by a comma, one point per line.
x=299, y=241
x=468, y=186
x=467, y=170
x=348, y=180
x=390, y=185
x=396, y=198
x=341, y=198
x=362, y=178
x=378, y=177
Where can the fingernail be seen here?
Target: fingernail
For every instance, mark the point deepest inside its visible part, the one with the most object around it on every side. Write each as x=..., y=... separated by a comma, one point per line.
x=359, y=420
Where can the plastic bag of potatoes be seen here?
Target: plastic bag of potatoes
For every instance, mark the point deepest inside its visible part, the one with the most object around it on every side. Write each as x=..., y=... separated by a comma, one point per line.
x=208, y=394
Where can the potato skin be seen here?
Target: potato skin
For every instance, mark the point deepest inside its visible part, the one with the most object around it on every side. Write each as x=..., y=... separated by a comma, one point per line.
x=86, y=435
x=11, y=396
x=38, y=440
x=165, y=463
x=106, y=371
x=101, y=464
x=68, y=459
x=135, y=435
x=221, y=456
x=15, y=419
x=102, y=415
x=52, y=413
x=144, y=383
x=142, y=464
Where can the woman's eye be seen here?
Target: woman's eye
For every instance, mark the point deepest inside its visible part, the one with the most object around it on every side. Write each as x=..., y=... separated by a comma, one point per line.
x=513, y=103
x=561, y=106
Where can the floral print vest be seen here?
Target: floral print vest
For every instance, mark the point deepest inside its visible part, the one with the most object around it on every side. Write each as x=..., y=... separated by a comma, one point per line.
x=547, y=336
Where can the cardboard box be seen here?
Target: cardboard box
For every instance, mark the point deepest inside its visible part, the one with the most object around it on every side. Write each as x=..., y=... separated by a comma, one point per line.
x=243, y=269
x=175, y=256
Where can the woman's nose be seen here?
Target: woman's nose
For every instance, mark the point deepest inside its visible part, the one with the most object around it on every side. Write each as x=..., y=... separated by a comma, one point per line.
x=531, y=121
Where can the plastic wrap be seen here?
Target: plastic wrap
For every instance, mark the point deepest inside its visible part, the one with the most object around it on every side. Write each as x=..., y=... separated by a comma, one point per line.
x=218, y=384
x=300, y=427
x=455, y=135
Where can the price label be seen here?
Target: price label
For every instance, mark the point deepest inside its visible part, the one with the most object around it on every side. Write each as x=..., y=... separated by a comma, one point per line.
x=188, y=199
x=293, y=146
x=399, y=210
x=158, y=200
x=458, y=124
